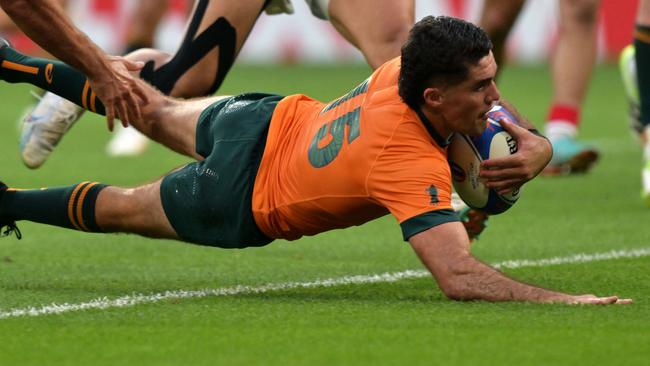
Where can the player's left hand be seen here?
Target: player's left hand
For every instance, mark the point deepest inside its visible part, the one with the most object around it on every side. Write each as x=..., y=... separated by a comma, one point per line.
x=508, y=173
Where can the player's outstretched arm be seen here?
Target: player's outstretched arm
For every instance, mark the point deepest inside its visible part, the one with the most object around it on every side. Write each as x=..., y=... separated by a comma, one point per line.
x=444, y=250
x=47, y=24
x=534, y=152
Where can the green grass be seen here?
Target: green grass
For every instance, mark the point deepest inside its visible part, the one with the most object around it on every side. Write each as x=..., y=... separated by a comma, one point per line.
x=407, y=322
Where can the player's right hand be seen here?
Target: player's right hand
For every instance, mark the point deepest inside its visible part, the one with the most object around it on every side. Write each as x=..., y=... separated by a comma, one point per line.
x=119, y=91
x=596, y=300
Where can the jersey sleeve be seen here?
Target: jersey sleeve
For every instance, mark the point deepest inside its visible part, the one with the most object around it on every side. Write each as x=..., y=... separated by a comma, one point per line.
x=411, y=178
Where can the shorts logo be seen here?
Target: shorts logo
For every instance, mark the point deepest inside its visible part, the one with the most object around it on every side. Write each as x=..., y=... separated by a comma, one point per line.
x=49, y=69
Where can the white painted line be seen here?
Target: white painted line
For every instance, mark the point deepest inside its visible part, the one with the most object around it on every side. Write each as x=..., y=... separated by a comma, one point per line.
x=135, y=299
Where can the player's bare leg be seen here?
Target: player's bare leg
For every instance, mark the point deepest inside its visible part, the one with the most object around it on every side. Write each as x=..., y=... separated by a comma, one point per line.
x=572, y=66
x=498, y=18
x=95, y=207
x=216, y=33
x=380, y=32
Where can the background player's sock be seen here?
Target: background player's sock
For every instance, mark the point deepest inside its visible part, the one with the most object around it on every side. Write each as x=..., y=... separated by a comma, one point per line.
x=54, y=76
x=70, y=207
x=562, y=121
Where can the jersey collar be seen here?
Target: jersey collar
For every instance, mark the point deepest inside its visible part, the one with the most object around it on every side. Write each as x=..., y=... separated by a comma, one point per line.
x=432, y=131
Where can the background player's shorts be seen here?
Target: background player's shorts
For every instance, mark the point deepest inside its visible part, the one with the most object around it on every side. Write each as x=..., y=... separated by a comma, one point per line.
x=210, y=202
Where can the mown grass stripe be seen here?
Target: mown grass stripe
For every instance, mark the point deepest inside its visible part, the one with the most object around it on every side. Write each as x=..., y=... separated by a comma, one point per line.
x=136, y=299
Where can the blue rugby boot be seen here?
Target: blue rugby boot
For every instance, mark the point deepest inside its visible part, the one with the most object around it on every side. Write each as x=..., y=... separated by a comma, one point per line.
x=570, y=157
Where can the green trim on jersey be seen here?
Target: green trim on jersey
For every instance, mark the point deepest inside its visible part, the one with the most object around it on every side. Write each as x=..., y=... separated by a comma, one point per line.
x=426, y=221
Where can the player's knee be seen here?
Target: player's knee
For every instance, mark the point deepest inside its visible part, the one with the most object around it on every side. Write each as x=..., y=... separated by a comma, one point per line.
x=386, y=44
x=580, y=12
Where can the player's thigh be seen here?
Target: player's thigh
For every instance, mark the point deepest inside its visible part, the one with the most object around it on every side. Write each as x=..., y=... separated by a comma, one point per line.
x=133, y=210
x=376, y=27
x=499, y=16
x=643, y=12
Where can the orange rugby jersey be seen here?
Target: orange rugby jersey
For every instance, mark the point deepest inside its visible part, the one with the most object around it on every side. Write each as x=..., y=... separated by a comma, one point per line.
x=328, y=166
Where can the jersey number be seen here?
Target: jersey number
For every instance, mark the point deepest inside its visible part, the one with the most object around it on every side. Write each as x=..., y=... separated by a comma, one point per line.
x=335, y=130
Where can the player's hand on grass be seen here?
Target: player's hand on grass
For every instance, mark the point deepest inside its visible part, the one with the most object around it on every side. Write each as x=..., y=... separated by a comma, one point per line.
x=506, y=174
x=120, y=93
x=596, y=300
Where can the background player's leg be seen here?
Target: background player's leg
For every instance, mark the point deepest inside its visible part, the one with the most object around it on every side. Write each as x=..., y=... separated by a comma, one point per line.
x=216, y=32
x=381, y=29
x=572, y=66
x=497, y=19
x=144, y=20
x=143, y=23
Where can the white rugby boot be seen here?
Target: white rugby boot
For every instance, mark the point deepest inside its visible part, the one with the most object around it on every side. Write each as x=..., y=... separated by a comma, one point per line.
x=44, y=127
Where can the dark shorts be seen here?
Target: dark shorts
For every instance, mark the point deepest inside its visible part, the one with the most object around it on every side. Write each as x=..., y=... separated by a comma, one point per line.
x=210, y=202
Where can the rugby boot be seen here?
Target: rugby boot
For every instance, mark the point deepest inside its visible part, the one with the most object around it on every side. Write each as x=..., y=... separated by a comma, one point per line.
x=570, y=157
x=7, y=227
x=44, y=126
x=627, y=67
x=127, y=142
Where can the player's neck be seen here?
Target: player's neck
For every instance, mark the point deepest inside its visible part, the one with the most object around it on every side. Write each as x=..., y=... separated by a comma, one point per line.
x=436, y=121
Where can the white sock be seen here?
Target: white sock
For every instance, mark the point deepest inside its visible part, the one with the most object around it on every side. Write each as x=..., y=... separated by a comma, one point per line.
x=559, y=128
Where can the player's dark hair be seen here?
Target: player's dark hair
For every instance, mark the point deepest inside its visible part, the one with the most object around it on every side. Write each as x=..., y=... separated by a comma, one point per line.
x=439, y=49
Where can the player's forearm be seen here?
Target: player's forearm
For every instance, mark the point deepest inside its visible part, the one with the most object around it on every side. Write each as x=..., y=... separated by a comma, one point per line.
x=473, y=280
x=47, y=24
x=444, y=250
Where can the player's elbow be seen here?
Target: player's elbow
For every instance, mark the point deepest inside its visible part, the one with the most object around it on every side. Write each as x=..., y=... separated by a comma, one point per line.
x=454, y=289
x=456, y=282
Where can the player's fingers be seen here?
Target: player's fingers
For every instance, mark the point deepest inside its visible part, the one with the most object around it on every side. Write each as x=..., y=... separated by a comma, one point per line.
x=504, y=186
x=110, y=117
x=503, y=162
x=488, y=175
x=624, y=301
x=512, y=128
x=123, y=113
x=134, y=108
x=608, y=300
x=132, y=65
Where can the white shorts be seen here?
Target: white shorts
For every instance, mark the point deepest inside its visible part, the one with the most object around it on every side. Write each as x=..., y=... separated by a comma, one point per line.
x=318, y=7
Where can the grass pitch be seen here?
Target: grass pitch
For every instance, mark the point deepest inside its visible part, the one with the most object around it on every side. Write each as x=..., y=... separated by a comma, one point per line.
x=404, y=322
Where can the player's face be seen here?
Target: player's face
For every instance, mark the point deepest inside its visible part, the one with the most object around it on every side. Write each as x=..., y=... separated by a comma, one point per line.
x=465, y=105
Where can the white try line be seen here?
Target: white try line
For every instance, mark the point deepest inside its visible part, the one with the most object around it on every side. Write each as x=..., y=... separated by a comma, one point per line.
x=135, y=299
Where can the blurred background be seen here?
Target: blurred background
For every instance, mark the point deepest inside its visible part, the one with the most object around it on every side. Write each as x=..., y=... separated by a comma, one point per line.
x=305, y=38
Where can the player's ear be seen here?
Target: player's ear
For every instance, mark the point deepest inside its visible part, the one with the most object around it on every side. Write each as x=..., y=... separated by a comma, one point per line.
x=433, y=97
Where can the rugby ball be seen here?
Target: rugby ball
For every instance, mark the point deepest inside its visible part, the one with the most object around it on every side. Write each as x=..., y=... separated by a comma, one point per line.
x=465, y=154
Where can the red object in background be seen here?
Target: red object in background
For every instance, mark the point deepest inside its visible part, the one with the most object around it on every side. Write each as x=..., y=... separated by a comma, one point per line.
x=457, y=8
x=617, y=17
x=105, y=6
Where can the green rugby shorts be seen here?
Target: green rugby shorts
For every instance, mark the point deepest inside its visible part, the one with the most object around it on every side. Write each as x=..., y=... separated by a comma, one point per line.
x=209, y=202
